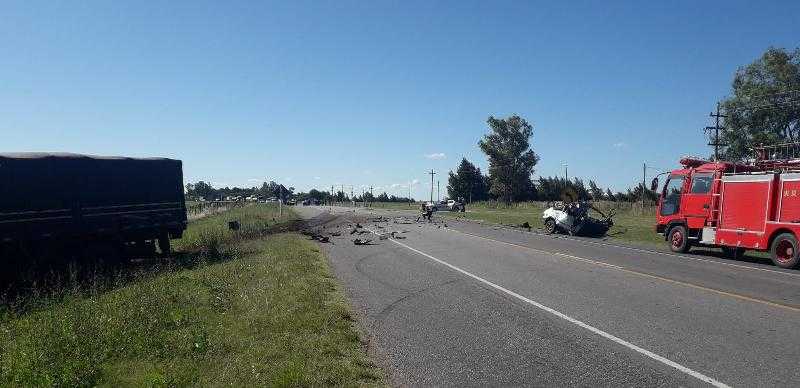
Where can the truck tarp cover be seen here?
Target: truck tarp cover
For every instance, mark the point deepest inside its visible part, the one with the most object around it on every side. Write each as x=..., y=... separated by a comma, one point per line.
x=48, y=196
x=35, y=182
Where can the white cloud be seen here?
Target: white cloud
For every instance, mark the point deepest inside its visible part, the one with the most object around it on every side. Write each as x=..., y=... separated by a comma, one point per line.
x=254, y=180
x=620, y=145
x=415, y=182
x=436, y=156
x=316, y=178
x=396, y=185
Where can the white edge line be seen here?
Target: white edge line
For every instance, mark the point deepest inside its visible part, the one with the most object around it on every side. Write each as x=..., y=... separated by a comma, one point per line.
x=565, y=317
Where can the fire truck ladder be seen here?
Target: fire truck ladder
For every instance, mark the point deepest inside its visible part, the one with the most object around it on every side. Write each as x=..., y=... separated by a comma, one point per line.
x=716, y=200
x=778, y=156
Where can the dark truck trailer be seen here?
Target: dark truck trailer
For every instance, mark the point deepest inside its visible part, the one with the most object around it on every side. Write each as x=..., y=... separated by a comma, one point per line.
x=87, y=199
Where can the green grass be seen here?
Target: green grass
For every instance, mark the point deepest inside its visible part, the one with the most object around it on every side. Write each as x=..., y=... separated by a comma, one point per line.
x=631, y=224
x=247, y=308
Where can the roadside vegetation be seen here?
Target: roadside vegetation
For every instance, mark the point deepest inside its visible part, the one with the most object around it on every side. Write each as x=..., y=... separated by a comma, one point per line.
x=253, y=307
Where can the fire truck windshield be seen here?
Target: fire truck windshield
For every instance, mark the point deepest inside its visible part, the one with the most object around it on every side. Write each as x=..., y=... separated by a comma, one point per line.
x=672, y=195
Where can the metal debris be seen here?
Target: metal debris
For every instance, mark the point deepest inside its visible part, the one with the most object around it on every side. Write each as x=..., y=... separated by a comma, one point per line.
x=359, y=241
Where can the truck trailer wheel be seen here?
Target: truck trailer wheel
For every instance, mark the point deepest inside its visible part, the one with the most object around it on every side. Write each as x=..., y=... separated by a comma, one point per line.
x=549, y=226
x=678, y=239
x=164, y=245
x=784, y=251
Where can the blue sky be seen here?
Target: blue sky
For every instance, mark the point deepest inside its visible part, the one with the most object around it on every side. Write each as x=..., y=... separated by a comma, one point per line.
x=317, y=93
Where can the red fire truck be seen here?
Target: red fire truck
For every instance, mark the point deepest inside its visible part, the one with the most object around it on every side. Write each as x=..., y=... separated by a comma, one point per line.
x=735, y=206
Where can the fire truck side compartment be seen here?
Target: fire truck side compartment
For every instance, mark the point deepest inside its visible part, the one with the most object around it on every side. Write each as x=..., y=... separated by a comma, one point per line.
x=745, y=210
x=789, y=206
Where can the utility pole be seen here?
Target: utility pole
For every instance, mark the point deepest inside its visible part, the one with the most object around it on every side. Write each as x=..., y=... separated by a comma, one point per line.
x=644, y=179
x=432, y=173
x=438, y=196
x=715, y=142
x=409, y=193
x=352, y=199
x=371, y=196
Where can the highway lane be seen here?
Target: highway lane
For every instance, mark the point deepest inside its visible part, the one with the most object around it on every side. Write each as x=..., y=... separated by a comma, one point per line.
x=469, y=304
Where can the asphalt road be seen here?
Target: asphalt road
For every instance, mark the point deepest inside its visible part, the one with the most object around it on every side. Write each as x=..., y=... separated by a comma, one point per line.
x=464, y=304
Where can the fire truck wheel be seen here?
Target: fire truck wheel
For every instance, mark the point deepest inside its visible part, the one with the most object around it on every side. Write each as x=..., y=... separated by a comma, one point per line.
x=784, y=251
x=549, y=226
x=678, y=241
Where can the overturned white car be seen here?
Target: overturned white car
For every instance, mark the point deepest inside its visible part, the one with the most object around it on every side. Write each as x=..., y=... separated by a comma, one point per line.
x=573, y=218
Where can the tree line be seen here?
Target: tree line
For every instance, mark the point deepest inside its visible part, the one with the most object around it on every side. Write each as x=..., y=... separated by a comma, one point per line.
x=469, y=184
x=341, y=196
x=205, y=191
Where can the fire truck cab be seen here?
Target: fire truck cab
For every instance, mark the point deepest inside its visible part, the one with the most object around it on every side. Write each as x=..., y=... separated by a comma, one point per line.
x=734, y=207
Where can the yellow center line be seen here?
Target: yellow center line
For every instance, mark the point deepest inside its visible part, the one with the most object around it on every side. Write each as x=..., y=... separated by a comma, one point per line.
x=643, y=274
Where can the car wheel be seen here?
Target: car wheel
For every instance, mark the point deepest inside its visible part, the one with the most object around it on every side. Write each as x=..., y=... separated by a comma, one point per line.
x=678, y=239
x=784, y=251
x=549, y=226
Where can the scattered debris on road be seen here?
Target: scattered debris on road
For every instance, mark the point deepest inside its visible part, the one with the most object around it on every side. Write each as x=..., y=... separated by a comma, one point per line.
x=359, y=241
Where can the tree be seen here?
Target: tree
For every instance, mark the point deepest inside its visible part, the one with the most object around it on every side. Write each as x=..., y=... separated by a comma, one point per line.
x=511, y=160
x=553, y=189
x=276, y=190
x=201, y=190
x=595, y=191
x=764, y=108
x=609, y=195
x=317, y=195
x=467, y=182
